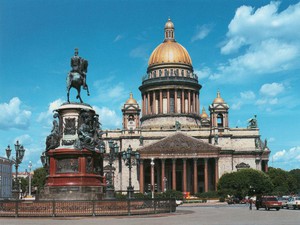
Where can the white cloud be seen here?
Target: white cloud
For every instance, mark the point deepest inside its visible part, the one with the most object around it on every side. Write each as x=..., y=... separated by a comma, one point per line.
x=246, y=97
x=269, y=94
x=110, y=91
x=271, y=89
x=201, y=32
x=290, y=158
x=47, y=116
x=13, y=116
x=266, y=40
x=118, y=38
x=139, y=52
x=203, y=73
x=108, y=118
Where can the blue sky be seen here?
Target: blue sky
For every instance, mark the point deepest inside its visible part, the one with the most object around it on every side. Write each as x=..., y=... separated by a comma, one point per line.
x=249, y=50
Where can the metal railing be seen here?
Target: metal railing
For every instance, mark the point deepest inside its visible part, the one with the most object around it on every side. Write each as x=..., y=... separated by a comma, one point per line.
x=58, y=208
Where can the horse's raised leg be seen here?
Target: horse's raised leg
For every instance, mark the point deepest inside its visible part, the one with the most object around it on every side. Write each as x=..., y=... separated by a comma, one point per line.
x=87, y=89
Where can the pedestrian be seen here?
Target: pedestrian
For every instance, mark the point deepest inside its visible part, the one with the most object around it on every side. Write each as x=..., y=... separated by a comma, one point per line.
x=250, y=204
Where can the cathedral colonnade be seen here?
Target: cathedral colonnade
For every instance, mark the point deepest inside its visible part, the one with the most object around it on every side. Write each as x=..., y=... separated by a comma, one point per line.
x=170, y=101
x=191, y=175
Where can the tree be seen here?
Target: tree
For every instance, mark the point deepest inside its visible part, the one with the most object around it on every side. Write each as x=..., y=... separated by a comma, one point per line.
x=284, y=183
x=39, y=178
x=245, y=182
x=296, y=174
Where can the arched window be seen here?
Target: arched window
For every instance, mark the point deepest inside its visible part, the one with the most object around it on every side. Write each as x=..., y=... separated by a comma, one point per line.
x=220, y=121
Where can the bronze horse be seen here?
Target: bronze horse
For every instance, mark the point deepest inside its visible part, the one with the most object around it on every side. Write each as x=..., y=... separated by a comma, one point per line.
x=76, y=80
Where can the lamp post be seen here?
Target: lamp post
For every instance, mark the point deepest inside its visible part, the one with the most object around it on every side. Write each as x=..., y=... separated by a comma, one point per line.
x=20, y=151
x=152, y=176
x=29, y=166
x=113, y=152
x=130, y=158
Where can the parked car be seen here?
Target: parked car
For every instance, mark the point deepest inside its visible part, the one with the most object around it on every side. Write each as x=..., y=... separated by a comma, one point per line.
x=293, y=203
x=268, y=202
x=233, y=200
x=179, y=202
x=284, y=200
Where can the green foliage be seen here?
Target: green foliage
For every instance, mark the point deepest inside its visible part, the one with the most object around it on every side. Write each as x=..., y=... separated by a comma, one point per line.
x=284, y=183
x=296, y=174
x=209, y=194
x=39, y=178
x=170, y=194
x=120, y=196
x=244, y=182
x=23, y=185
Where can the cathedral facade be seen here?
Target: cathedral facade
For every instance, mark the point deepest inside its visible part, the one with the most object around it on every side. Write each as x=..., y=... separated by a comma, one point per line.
x=180, y=147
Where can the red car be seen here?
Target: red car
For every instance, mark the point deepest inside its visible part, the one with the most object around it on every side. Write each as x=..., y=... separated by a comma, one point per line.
x=268, y=202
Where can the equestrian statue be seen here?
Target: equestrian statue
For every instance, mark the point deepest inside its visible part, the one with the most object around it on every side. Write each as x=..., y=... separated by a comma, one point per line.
x=77, y=76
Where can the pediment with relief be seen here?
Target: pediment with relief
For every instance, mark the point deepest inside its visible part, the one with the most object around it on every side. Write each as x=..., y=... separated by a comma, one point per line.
x=179, y=143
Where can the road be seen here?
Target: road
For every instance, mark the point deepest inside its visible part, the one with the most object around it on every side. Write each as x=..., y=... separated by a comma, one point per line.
x=187, y=215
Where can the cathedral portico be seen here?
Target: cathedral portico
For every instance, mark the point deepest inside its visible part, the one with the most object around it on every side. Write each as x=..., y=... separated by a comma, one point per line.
x=181, y=163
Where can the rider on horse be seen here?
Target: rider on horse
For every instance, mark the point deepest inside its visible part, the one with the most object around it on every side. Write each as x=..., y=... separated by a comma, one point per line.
x=77, y=76
x=79, y=65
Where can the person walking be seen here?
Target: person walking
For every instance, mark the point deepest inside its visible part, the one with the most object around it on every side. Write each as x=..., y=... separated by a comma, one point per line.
x=250, y=204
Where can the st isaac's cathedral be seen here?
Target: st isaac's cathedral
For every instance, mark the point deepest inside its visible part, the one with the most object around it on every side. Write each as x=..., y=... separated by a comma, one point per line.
x=180, y=147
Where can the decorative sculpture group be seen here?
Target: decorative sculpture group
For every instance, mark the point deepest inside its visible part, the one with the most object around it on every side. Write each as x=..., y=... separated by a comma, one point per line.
x=89, y=132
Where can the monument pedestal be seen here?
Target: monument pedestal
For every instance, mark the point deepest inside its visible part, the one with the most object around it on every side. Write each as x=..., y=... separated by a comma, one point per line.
x=75, y=167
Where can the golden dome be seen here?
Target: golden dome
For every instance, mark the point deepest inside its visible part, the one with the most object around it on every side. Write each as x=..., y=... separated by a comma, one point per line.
x=131, y=100
x=203, y=114
x=169, y=51
x=218, y=99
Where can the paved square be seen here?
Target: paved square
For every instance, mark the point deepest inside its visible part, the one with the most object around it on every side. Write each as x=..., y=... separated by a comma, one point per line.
x=187, y=215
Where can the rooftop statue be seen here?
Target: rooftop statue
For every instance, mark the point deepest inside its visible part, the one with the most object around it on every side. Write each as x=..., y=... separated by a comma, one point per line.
x=252, y=123
x=77, y=76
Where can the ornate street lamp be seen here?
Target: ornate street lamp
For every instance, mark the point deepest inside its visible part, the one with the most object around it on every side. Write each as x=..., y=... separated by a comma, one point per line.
x=130, y=158
x=20, y=151
x=152, y=177
x=111, y=156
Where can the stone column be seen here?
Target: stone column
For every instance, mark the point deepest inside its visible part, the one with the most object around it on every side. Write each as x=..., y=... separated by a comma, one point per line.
x=189, y=102
x=194, y=103
x=184, y=175
x=144, y=104
x=205, y=175
x=216, y=172
x=195, y=176
x=148, y=103
x=124, y=122
x=153, y=104
x=160, y=102
x=168, y=101
x=174, y=174
x=197, y=103
x=142, y=176
x=175, y=101
x=182, y=102
x=266, y=166
x=163, y=174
